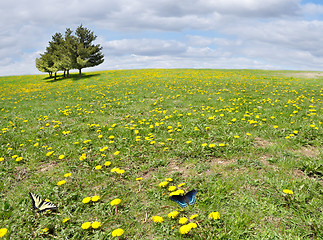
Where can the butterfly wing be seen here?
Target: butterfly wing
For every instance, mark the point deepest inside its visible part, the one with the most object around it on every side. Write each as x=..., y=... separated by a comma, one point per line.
x=179, y=199
x=47, y=206
x=190, y=197
x=40, y=204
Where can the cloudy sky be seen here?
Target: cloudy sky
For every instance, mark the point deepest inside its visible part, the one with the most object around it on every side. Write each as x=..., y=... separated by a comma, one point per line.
x=270, y=34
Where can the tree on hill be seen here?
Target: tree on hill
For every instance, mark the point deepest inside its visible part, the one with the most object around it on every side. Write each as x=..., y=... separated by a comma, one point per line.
x=70, y=52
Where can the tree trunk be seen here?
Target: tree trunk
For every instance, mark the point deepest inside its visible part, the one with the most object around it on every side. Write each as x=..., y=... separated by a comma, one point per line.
x=68, y=73
x=55, y=76
x=64, y=73
x=80, y=72
x=50, y=74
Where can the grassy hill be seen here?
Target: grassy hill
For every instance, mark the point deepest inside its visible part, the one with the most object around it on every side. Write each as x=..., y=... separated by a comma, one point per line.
x=249, y=141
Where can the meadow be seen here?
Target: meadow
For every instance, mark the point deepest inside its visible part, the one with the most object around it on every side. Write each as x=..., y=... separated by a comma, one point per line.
x=108, y=149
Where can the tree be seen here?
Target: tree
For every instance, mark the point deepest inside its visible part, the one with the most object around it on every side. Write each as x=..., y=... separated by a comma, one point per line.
x=87, y=54
x=70, y=52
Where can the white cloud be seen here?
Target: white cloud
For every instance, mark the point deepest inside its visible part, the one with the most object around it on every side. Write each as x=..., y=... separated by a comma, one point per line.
x=189, y=33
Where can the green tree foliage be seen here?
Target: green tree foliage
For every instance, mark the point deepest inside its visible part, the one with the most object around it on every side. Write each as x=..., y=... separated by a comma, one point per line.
x=70, y=52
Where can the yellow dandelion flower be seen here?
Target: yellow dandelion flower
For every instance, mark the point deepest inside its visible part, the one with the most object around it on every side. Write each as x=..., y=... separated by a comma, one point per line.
x=139, y=179
x=45, y=229
x=171, y=188
x=61, y=156
x=204, y=144
x=116, y=153
x=169, y=179
x=157, y=219
x=95, y=198
x=96, y=224
x=61, y=182
x=1, y=159
x=173, y=214
x=185, y=229
x=192, y=225
x=67, y=174
x=117, y=232
x=221, y=144
x=181, y=185
x=182, y=220
x=287, y=191
x=18, y=159
x=65, y=220
x=86, y=200
x=193, y=216
x=86, y=225
x=115, y=202
x=98, y=167
x=214, y=215
x=163, y=184
x=107, y=163
x=3, y=231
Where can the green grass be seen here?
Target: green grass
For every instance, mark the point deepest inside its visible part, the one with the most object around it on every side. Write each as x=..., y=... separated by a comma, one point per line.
x=240, y=137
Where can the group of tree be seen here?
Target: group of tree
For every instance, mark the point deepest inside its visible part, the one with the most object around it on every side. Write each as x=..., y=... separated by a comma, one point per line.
x=70, y=51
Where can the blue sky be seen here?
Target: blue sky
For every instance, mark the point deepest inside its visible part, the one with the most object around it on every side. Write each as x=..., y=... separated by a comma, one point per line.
x=271, y=34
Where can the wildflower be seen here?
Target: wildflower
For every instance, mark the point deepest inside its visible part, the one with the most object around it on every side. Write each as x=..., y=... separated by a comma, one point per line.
x=173, y=214
x=120, y=171
x=177, y=192
x=169, y=179
x=18, y=159
x=163, y=184
x=1, y=159
x=95, y=198
x=45, y=229
x=275, y=126
x=67, y=174
x=214, y=215
x=14, y=156
x=107, y=163
x=171, y=188
x=139, y=179
x=188, y=142
x=65, y=220
x=3, y=232
x=36, y=144
x=86, y=200
x=49, y=153
x=61, y=182
x=96, y=224
x=236, y=136
x=287, y=191
x=157, y=219
x=100, y=136
x=181, y=185
x=86, y=225
x=111, y=137
x=98, y=167
x=192, y=225
x=117, y=232
x=212, y=145
x=185, y=229
x=116, y=153
x=182, y=220
x=193, y=216
x=221, y=144
x=115, y=202
x=61, y=156
x=204, y=144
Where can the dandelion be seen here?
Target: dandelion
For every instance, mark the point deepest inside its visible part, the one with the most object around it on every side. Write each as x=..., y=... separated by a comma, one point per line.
x=61, y=182
x=221, y=144
x=107, y=163
x=182, y=220
x=188, y=142
x=14, y=156
x=275, y=126
x=36, y=144
x=177, y=192
x=192, y=225
x=49, y=153
x=1, y=159
x=86, y=225
x=185, y=229
x=117, y=232
x=204, y=144
x=171, y=188
x=157, y=219
x=169, y=179
x=214, y=215
x=115, y=202
x=61, y=156
x=139, y=179
x=86, y=200
x=163, y=184
x=45, y=229
x=212, y=145
x=3, y=231
x=181, y=185
x=173, y=214
x=116, y=153
x=100, y=136
x=193, y=216
x=236, y=136
x=95, y=198
x=96, y=224
x=67, y=174
x=18, y=159
x=65, y=220
x=98, y=167
x=287, y=191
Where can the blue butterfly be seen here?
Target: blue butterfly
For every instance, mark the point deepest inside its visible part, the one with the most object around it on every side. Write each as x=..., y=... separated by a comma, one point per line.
x=188, y=198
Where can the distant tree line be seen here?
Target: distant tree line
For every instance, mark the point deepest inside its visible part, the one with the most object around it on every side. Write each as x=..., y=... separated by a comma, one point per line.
x=70, y=52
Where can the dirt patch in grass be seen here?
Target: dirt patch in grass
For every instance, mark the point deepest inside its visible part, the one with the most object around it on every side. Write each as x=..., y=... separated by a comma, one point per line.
x=259, y=142
x=47, y=166
x=311, y=152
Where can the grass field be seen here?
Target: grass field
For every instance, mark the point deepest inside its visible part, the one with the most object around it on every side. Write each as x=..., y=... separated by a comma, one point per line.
x=249, y=141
